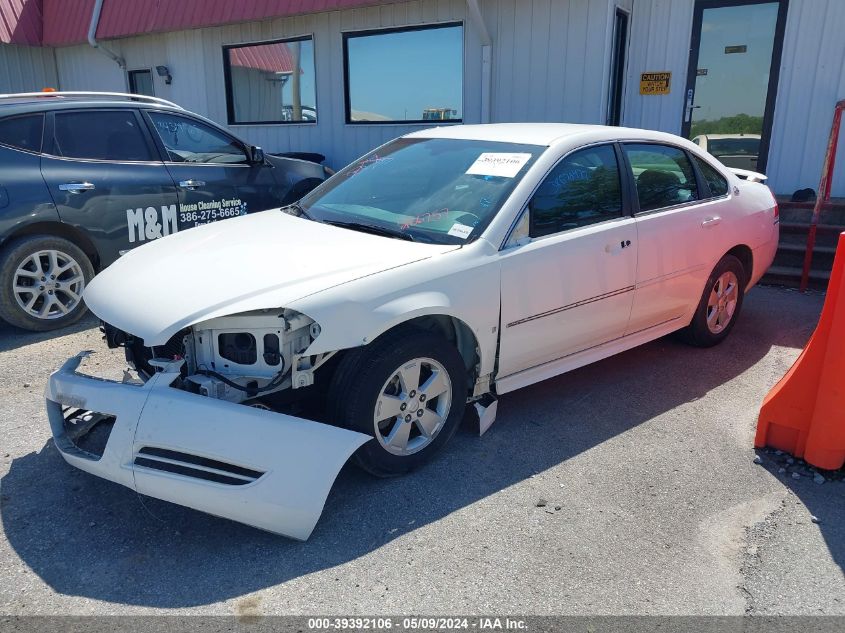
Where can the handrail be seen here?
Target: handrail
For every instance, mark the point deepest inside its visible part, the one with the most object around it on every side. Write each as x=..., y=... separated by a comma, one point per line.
x=124, y=95
x=823, y=196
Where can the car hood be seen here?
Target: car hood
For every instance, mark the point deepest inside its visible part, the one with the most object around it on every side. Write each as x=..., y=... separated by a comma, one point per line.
x=262, y=260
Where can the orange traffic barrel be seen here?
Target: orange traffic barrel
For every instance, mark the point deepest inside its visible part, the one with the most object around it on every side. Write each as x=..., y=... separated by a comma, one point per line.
x=804, y=414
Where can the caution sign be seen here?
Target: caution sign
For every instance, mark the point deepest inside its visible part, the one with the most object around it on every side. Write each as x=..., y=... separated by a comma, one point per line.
x=655, y=83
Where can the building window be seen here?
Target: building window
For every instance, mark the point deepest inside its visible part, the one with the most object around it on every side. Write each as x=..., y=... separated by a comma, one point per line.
x=271, y=82
x=141, y=82
x=410, y=75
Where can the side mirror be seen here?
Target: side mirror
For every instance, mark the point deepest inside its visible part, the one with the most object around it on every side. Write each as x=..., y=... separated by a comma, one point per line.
x=256, y=155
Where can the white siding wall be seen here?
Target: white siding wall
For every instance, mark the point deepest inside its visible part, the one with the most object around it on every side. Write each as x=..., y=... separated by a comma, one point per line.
x=812, y=79
x=26, y=69
x=551, y=59
x=551, y=63
x=660, y=39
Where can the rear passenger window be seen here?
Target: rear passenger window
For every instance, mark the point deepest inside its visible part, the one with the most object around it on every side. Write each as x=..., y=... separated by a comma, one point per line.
x=101, y=135
x=715, y=181
x=663, y=175
x=582, y=189
x=22, y=132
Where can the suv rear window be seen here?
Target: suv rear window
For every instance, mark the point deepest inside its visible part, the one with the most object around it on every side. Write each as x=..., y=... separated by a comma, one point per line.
x=100, y=135
x=22, y=132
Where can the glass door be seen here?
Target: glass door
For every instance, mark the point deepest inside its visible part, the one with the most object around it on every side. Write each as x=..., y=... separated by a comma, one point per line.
x=732, y=79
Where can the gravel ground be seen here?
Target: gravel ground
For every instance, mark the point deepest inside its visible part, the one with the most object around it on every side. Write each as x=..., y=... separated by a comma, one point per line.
x=626, y=487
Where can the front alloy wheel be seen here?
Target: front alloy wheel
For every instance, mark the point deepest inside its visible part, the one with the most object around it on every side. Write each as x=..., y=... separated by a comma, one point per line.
x=48, y=284
x=407, y=389
x=413, y=406
x=41, y=282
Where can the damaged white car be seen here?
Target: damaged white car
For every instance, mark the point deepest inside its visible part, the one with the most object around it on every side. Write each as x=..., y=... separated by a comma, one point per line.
x=446, y=267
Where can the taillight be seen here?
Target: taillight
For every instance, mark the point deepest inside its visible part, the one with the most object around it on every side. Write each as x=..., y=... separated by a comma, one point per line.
x=777, y=213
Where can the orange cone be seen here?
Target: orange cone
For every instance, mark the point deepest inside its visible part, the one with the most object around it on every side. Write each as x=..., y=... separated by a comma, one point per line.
x=804, y=414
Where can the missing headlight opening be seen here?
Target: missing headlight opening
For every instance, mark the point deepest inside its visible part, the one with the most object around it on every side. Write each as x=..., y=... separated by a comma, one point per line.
x=237, y=358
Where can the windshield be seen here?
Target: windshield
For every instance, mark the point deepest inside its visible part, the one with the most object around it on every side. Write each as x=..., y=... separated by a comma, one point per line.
x=441, y=191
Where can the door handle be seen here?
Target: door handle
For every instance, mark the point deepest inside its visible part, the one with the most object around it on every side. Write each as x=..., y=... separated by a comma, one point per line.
x=708, y=222
x=192, y=184
x=76, y=187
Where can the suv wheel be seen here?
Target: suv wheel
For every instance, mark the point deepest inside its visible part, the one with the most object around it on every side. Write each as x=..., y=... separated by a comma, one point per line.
x=408, y=391
x=41, y=282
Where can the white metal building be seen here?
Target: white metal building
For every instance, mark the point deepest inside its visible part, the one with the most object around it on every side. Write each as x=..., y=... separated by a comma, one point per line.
x=369, y=71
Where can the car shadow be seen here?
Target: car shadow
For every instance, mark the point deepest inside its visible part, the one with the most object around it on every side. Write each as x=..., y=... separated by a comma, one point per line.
x=12, y=337
x=84, y=536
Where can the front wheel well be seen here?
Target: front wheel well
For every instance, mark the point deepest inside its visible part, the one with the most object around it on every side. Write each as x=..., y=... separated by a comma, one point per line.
x=746, y=258
x=57, y=229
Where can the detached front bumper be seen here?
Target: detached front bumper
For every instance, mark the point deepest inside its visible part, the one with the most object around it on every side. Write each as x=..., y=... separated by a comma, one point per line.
x=269, y=470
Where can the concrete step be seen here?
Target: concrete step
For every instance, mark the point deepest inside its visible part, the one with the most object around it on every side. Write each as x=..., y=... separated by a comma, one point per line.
x=796, y=233
x=832, y=212
x=792, y=255
x=791, y=276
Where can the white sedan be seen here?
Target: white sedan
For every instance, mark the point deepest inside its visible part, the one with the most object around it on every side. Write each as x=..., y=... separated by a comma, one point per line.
x=447, y=267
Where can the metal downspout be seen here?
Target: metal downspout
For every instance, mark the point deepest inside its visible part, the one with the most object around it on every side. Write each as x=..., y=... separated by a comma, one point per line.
x=486, y=58
x=92, y=35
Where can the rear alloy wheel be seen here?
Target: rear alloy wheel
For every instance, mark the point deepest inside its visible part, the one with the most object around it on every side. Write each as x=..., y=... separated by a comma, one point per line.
x=41, y=283
x=407, y=390
x=720, y=304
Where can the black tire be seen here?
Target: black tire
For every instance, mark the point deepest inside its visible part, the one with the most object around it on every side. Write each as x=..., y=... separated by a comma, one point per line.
x=357, y=385
x=699, y=333
x=14, y=255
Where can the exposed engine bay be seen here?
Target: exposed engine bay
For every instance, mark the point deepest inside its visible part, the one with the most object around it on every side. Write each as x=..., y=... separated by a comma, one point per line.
x=234, y=358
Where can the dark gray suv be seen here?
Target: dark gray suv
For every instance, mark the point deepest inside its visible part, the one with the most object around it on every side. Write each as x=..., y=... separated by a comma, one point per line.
x=84, y=177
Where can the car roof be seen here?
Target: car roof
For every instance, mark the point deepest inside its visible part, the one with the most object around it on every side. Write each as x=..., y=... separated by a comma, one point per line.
x=546, y=134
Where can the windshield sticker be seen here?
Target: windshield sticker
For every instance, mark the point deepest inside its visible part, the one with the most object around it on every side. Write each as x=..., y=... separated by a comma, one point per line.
x=373, y=160
x=505, y=165
x=425, y=217
x=460, y=230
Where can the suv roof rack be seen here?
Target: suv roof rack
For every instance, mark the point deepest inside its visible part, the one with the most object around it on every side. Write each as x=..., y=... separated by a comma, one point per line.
x=81, y=94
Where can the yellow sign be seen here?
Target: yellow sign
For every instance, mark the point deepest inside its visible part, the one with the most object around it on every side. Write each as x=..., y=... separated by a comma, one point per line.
x=655, y=83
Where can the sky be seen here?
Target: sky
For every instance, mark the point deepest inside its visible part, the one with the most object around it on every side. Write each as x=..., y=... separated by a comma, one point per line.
x=735, y=83
x=398, y=75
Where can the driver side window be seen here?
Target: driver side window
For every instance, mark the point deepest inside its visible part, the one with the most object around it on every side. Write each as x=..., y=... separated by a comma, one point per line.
x=583, y=188
x=189, y=141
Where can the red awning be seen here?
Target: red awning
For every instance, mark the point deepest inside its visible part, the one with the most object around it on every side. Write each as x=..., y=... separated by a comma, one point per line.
x=21, y=22
x=66, y=21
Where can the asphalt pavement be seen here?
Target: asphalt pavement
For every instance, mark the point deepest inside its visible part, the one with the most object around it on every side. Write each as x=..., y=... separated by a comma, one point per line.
x=625, y=487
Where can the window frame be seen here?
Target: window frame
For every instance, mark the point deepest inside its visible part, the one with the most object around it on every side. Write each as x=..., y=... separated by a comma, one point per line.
x=162, y=148
x=635, y=198
x=625, y=184
x=703, y=180
x=227, y=79
x=48, y=144
x=430, y=26
x=40, y=149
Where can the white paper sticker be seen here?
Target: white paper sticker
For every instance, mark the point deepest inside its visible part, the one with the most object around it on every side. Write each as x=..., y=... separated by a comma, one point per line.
x=460, y=230
x=506, y=165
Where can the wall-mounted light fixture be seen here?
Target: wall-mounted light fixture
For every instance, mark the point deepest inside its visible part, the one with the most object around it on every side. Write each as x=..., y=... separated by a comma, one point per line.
x=164, y=71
